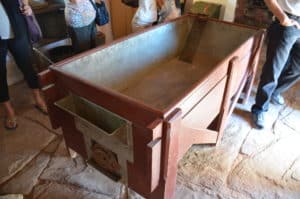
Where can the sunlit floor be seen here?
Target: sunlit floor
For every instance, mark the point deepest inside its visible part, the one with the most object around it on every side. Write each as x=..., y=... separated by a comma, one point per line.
x=249, y=163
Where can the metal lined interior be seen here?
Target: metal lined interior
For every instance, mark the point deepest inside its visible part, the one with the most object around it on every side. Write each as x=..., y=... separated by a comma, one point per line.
x=160, y=65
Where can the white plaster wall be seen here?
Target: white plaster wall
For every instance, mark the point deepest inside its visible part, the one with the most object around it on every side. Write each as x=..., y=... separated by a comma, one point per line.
x=228, y=10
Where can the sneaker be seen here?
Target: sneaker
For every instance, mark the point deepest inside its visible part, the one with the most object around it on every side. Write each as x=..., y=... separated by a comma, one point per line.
x=277, y=100
x=258, y=120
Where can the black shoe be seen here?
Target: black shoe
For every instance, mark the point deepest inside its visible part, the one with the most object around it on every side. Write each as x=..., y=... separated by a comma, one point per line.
x=258, y=120
x=277, y=100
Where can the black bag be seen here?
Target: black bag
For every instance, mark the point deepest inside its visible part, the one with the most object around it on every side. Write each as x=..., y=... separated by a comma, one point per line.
x=131, y=3
x=102, y=16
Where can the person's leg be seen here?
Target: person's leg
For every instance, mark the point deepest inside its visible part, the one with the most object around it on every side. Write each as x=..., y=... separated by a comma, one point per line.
x=10, y=121
x=39, y=101
x=292, y=73
x=83, y=38
x=93, y=32
x=21, y=51
x=4, y=96
x=281, y=41
x=74, y=39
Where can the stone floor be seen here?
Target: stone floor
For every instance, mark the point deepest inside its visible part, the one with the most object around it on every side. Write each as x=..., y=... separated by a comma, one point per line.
x=248, y=164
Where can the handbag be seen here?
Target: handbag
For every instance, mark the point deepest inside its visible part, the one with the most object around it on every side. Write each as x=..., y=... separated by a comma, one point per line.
x=131, y=3
x=102, y=16
x=33, y=28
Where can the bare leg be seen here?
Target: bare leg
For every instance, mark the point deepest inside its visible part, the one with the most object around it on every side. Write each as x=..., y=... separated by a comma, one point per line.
x=40, y=102
x=10, y=121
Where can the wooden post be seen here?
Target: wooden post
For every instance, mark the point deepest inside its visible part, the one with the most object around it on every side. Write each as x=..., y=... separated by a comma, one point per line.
x=226, y=100
x=254, y=63
x=171, y=152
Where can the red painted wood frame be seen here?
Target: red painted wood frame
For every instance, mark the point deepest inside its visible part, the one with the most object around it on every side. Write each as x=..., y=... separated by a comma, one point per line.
x=160, y=138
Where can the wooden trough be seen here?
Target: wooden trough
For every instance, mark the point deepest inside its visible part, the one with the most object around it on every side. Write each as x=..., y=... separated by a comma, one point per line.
x=134, y=107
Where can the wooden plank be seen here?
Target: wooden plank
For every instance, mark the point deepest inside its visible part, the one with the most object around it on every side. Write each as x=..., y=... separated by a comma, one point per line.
x=205, y=111
x=171, y=137
x=170, y=148
x=154, y=160
x=73, y=138
x=199, y=90
x=46, y=78
x=144, y=174
x=154, y=89
x=52, y=94
x=112, y=101
x=226, y=99
x=192, y=136
x=253, y=64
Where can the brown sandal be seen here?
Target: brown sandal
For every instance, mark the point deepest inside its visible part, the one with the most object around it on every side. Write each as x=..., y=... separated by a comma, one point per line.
x=42, y=109
x=11, y=123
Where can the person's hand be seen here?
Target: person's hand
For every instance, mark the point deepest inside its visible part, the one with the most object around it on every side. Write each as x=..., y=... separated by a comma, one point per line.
x=295, y=23
x=290, y=22
x=26, y=10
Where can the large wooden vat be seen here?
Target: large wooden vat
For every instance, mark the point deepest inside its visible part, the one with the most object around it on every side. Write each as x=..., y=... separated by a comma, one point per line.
x=134, y=107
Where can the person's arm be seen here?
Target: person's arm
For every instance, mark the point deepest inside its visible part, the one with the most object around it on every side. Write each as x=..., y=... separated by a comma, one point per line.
x=280, y=14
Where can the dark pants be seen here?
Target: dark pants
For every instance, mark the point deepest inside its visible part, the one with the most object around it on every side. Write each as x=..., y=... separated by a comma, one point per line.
x=83, y=38
x=282, y=67
x=20, y=48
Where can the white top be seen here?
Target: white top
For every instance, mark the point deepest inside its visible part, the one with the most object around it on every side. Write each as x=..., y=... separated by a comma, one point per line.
x=6, y=31
x=148, y=12
x=79, y=14
x=290, y=6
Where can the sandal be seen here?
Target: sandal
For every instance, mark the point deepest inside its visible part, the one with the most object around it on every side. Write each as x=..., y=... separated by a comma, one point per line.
x=42, y=109
x=11, y=123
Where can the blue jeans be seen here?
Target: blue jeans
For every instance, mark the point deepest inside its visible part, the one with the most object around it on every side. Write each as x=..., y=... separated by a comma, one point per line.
x=282, y=67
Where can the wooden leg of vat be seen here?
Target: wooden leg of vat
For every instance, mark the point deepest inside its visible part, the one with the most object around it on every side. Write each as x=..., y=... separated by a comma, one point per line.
x=247, y=88
x=226, y=100
x=254, y=60
x=73, y=138
x=171, y=153
x=52, y=93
